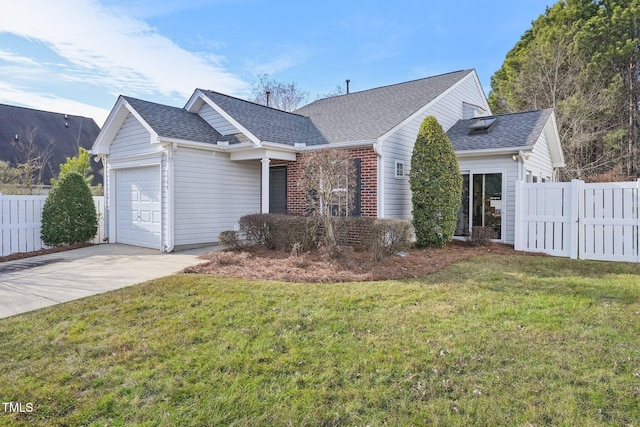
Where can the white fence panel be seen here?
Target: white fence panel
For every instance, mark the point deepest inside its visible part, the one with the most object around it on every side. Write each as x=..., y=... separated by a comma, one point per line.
x=588, y=221
x=610, y=222
x=21, y=221
x=544, y=223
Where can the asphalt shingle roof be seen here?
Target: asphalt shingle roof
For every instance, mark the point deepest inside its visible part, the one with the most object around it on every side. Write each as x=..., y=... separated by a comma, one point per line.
x=54, y=134
x=268, y=124
x=178, y=123
x=369, y=114
x=517, y=130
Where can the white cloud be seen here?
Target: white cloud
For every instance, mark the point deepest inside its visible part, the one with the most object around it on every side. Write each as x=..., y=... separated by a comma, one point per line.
x=42, y=101
x=9, y=56
x=278, y=63
x=122, y=54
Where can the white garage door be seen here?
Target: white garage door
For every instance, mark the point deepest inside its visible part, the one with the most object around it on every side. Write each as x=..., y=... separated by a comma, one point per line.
x=138, y=206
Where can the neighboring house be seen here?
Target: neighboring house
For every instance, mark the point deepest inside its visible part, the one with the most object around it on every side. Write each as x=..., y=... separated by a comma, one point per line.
x=54, y=137
x=177, y=177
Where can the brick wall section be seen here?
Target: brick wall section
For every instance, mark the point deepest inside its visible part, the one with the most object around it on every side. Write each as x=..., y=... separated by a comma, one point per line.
x=296, y=199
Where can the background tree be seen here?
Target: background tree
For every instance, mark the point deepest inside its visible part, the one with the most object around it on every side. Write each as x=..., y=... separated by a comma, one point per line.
x=335, y=92
x=69, y=214
x=283, y=96
x=12, y=179
x=328, y=178
x=80, y=164
x=579, y=58
x=436, y=185
x=34, y=159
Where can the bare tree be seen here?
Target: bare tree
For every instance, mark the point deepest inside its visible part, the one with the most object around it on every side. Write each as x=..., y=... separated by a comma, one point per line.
x=336, y=92
x=33, y=158
x=283, y=96
x=328, y=178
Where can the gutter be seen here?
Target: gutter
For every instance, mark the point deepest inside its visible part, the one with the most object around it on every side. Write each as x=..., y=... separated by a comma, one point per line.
x=493, y=151
x=205, y=145
x=348, y=144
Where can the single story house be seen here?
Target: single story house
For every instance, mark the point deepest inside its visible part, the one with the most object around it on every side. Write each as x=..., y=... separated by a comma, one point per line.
x=177, y=177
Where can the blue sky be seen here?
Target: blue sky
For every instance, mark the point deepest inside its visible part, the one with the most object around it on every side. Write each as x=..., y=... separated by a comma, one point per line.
x=77, y=56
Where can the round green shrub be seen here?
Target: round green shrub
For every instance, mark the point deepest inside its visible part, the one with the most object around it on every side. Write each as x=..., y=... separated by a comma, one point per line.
x=436, y=185
x=69, y=214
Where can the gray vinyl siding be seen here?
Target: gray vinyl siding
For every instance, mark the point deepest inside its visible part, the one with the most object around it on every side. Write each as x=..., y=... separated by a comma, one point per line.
x=132, y=139
x=539, y=161
x=399, y=146
x=216, y=120
x=211, y=194
x=509, y=168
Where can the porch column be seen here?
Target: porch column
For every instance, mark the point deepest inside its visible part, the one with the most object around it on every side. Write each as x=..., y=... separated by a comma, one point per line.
x=265, y=184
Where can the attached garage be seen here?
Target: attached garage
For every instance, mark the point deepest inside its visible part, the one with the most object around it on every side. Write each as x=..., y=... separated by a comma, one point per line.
x=138, y=206
x=169, y=185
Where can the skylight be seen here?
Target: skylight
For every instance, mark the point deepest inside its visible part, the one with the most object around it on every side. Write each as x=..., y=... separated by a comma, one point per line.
x=482, y=125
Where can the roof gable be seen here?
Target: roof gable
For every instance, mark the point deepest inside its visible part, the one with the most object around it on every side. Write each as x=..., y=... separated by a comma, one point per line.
x=369, y=114
x=175, y=123
x=267, y=124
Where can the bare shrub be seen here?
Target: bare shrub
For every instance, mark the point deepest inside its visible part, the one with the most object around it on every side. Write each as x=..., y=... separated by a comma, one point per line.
x=276, y=231
x=255, y=228
x=481, y=236
x=230, y=239
x=386, y=237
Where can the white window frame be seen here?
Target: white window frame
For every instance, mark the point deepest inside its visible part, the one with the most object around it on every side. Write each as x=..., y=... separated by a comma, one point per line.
x=404, y=169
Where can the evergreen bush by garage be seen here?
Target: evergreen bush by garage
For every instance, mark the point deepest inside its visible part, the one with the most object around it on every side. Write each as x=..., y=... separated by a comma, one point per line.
x=436, y=185
x=69, y=214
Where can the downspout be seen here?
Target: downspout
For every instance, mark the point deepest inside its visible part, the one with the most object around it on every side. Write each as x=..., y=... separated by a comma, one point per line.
x=377, y=148
x=170, y=243
x=520, y=166
x=106, y=191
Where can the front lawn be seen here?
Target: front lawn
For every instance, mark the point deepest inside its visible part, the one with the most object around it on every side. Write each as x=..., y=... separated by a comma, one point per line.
x=492, y=340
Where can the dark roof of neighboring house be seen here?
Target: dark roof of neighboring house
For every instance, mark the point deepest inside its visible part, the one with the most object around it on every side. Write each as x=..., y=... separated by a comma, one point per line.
x=268, y=124
x=517, y=130
x=57, y=133
x=178, y=123
x=369, y=114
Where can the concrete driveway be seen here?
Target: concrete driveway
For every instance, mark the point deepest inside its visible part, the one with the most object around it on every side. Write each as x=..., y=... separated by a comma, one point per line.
x=45, y=280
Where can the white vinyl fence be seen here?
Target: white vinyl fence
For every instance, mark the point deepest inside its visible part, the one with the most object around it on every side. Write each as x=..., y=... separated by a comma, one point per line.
x=588, y=221
x=21, y=220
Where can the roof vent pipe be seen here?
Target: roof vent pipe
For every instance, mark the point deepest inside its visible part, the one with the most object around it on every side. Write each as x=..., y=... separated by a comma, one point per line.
x=268, y=93
x=348, y=81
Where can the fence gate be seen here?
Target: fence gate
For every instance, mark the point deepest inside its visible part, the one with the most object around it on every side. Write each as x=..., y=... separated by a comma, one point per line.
x=588, y=221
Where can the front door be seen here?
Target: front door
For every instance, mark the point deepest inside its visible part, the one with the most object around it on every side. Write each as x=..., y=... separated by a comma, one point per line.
x=278, y=189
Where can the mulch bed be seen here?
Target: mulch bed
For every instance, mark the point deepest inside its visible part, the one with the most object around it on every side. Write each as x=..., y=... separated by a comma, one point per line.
x=257, y=263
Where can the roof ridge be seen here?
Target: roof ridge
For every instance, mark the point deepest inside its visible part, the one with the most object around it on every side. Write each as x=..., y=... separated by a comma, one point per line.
x=44, y=111
x=392, y=84
x=152, y=102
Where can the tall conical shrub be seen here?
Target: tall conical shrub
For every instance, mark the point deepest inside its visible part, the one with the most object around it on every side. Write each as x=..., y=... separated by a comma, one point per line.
x=436, y=185
x=69, y=214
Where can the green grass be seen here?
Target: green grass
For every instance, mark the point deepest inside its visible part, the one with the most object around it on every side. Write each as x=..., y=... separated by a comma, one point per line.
x=499, y=340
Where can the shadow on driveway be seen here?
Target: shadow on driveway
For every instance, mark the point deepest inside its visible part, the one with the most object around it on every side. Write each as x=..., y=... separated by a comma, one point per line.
x=32, y=283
